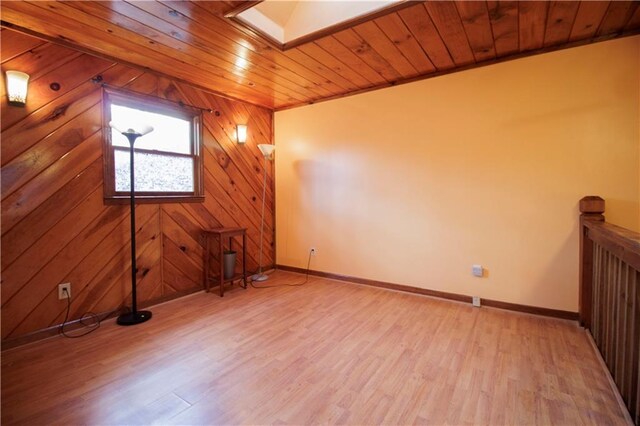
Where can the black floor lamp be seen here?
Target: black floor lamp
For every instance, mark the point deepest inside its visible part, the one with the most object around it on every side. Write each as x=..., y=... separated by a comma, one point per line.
x=135, y=316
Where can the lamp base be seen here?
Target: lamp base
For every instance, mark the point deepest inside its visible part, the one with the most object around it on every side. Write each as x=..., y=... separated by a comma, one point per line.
x=134, y=318
x=259, y=277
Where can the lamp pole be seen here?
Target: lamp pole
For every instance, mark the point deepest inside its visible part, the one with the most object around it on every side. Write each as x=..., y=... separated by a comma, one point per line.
x=266, y=150
x=135, y=316
x=264, y=195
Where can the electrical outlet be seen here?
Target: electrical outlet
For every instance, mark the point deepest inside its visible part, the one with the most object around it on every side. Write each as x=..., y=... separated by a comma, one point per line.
x=313, y=251
x=62, y=294
x=477, y=270
x=476, y=301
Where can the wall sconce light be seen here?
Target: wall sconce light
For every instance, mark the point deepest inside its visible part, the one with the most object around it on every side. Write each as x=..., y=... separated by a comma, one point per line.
x=17, y=83
x=241, y=133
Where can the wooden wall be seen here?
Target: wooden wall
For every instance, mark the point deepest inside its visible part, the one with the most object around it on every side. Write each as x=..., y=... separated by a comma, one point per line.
x=55, y=225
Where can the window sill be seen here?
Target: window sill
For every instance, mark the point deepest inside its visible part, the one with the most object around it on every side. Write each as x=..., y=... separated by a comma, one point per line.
x=141, y=199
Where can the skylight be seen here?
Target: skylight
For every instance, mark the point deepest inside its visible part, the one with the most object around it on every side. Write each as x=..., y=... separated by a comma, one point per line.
x=287, y=21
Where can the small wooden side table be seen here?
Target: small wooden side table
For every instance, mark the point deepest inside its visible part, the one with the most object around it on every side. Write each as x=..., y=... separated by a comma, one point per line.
x=221, y=234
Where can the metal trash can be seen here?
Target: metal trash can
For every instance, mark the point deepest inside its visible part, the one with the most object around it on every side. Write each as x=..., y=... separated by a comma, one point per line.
x=229, y=264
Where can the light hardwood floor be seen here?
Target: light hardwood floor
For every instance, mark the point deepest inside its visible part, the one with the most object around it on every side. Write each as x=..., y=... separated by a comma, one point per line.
x=327, y=352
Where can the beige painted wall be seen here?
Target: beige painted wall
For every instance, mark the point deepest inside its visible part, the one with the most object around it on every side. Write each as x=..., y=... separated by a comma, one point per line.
x=414, y=184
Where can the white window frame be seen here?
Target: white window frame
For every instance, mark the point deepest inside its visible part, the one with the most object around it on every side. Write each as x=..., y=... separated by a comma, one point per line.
x=160, y=106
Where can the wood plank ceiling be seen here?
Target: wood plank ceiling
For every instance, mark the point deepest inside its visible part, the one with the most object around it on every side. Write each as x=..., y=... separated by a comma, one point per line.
x=193, y=42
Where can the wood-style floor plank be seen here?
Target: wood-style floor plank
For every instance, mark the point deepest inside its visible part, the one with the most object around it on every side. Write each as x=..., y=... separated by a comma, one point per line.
x=325, y=352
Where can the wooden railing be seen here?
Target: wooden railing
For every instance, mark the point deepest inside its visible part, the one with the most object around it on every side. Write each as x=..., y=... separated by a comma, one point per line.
x=610, y=297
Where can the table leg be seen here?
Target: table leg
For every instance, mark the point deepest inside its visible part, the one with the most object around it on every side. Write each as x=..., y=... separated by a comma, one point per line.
x=221, y=266
x=244, y=260
x=234, y=266
x=207, y=254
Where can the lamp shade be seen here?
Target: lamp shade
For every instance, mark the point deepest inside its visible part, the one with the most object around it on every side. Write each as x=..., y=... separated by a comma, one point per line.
x=241, y=133
x=17, y=84
x=266, y=149
x=139, y=130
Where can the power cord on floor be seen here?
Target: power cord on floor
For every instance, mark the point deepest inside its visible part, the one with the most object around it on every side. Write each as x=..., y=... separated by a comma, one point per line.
x=92, y=326
x=306, y=278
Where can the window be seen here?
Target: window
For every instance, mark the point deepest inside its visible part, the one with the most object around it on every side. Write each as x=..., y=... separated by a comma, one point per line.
x=288, y=24
x=168, y=161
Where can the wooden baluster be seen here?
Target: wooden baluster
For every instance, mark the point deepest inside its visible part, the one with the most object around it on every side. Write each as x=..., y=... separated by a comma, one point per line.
x=603, y=307
x=627, y=326
x=634, y=345
x=626, y=387
x=621, y=324
x=591, y=209
x=596, y=293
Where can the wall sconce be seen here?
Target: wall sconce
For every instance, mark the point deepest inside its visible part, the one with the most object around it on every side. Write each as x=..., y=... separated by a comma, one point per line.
x=241, y=133
x=17, y=83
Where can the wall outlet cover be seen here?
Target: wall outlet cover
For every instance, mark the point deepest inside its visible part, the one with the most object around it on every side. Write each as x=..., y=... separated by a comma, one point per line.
x=64, y=294
x=476, y=301
x=477, y=270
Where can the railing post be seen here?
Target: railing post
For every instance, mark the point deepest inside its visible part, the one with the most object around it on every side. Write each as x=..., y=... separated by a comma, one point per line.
x=591, y=209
